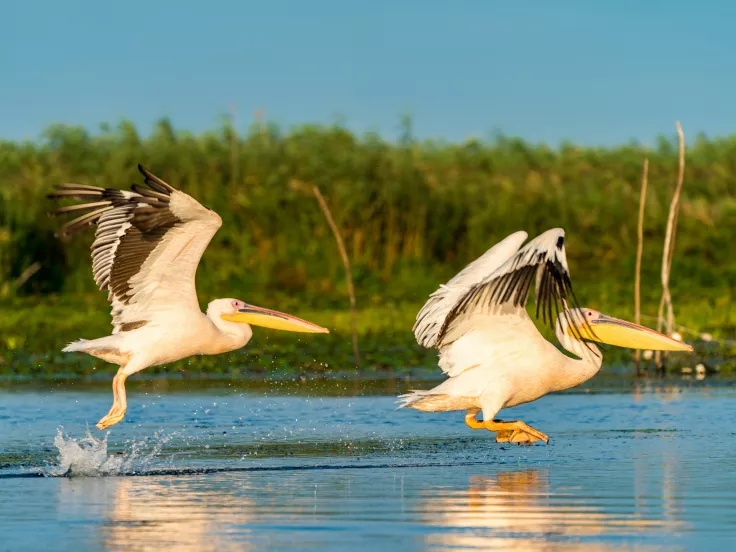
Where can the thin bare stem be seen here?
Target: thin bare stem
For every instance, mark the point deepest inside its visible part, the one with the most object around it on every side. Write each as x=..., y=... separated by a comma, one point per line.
x=26, y=274
x=669, y=249
x=234, y=147
x=348, y=270
x=259, y=115
x=639, y=250
x=675, y=217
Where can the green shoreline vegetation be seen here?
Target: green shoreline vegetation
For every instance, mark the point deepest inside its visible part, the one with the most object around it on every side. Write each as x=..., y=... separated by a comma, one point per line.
x=412, y=213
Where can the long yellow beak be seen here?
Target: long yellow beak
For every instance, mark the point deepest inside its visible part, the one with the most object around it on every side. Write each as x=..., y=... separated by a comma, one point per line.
x=275, y=320
x=621, y=333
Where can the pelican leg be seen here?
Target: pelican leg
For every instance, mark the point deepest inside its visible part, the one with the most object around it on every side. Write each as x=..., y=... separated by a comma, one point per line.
x=471, y=421
x=515, y=432
x=119, y=403
x=506, y=432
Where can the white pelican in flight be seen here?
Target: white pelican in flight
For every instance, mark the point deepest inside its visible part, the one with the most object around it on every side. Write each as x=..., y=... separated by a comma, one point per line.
x=491, y=350
x=147, y=246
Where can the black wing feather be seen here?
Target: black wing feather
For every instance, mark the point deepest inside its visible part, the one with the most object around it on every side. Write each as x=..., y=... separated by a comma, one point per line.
x=512, y=284
x=130, y=225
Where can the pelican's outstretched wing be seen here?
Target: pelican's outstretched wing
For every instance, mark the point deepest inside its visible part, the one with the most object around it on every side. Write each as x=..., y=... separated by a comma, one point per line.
x=431, y=318
x=506, y=289
x=147, y=245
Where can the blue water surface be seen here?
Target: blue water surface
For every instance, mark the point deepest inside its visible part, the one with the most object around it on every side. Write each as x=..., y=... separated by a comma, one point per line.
x=650, y=467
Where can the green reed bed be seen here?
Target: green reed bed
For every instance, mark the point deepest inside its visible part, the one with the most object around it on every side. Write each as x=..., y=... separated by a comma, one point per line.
x=411, y=213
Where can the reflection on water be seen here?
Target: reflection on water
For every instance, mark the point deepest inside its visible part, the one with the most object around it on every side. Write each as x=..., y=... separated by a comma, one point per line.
x=503, y=509
x=652, y=470
x=518, y=510
x=141, y=514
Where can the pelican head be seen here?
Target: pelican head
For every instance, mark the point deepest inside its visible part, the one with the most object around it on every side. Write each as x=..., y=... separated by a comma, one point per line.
x=614, y=331
x=235, y=310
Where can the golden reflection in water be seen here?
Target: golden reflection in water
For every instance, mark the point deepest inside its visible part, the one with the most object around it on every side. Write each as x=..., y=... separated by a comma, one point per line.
x=518, y=511
x=141, y=515
x=663, y=390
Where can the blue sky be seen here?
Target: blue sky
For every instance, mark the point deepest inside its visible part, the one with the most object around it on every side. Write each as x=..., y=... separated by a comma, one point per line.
x=587, y=71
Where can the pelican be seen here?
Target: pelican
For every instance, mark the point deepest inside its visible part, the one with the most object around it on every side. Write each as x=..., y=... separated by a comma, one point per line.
x=147, y=246
x=491, y=350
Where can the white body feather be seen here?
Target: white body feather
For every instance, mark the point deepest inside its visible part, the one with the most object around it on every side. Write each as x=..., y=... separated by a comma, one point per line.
x=493, y=354
x=151, y=282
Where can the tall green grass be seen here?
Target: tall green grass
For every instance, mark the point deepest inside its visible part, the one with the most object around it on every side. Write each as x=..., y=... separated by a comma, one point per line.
x=412, y=213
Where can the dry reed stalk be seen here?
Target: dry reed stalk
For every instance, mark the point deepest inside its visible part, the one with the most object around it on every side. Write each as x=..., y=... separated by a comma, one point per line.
x=20, y=280
x=639, y=250
x=234, y=149
x=26, y=274
x=668, y=252
x=348, y=270
x=258, y=116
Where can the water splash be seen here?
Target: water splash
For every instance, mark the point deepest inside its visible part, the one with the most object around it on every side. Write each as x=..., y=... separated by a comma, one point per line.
x=88, y=456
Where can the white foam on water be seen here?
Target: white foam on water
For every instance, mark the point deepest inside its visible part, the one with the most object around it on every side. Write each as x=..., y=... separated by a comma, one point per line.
x=88, y=456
